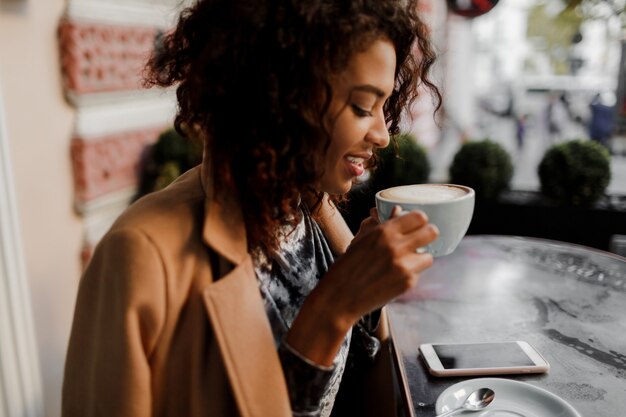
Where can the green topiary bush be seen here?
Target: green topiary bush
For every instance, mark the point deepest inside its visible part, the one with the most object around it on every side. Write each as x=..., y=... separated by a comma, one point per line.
x=169, y=157
x=484, y=166
x=406, y=162
x=575, y=172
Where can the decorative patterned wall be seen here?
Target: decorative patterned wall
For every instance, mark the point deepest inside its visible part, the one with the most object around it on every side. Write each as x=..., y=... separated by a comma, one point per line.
x=103, y=57
x=110, y=163
x=103, y=48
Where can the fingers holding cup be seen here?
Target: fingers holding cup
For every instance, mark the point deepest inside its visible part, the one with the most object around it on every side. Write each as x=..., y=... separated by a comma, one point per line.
x=448, y=207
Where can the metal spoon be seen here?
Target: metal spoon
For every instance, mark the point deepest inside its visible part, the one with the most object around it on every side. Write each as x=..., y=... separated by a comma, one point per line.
x=476, y=401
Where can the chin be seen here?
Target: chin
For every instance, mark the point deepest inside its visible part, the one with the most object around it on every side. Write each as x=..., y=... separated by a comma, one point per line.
x=337, y=189
x=343, y=189
x=337, y=184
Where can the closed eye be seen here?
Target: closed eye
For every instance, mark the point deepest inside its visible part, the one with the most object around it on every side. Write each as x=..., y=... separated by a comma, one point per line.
x=360, y=112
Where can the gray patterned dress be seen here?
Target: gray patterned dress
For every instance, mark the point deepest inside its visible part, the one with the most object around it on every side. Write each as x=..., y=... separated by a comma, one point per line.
x=285, y=280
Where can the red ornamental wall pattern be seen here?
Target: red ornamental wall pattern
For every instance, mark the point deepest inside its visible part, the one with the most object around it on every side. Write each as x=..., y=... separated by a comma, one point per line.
x=98, y=57
x=102, y=57
x=109, y=163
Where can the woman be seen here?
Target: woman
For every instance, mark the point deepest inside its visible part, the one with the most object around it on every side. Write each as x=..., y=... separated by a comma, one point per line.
x=239, y=290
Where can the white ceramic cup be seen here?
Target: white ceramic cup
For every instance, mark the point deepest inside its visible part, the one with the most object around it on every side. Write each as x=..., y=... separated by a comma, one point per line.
x=448, y=206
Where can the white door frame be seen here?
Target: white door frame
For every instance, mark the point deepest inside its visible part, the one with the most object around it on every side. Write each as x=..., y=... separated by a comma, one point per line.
x=20, y=378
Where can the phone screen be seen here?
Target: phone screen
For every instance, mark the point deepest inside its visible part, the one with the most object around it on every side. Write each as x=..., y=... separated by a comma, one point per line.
x=482, y=355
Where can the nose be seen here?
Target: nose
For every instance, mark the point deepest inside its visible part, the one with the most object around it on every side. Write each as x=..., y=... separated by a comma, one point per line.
x=378, y=134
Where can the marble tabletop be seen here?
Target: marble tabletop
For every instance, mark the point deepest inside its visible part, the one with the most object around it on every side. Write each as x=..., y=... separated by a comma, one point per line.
x=568, y=301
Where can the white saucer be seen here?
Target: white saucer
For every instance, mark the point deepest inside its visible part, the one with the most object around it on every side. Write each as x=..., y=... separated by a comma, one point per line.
x=513, y=399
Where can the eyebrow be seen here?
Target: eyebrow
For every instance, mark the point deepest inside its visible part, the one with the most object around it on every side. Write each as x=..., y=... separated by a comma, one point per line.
x=368, y=88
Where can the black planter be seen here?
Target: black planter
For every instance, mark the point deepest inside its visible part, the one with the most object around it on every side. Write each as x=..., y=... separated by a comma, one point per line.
x=526, y=213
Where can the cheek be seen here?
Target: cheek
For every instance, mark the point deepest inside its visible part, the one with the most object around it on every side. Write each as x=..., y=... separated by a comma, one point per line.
x=333, y=156
x=345, y=135
x=336, y=151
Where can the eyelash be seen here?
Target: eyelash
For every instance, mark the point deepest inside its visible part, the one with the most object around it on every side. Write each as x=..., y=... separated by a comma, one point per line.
x=360, y=112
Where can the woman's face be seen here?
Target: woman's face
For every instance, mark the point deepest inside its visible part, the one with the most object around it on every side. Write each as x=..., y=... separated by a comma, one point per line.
x=356, y=118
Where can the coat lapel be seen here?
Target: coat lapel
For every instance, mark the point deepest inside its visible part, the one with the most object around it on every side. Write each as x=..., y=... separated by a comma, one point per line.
x=238, y=317
x=235, y=309
x=224, y=230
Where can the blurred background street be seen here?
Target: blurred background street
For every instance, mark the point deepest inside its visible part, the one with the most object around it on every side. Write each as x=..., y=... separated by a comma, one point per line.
x=527, y=155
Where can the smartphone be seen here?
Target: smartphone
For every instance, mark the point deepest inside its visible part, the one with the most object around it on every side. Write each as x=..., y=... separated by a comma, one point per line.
x=494, y=358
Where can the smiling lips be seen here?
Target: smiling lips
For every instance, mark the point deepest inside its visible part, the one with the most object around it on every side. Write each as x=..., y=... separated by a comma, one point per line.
x=356, y=164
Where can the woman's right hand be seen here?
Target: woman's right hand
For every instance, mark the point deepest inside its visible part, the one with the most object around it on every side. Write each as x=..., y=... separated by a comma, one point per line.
x=380, y=264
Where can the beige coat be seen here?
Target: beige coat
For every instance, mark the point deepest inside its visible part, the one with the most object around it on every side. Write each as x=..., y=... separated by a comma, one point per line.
x=169, y=320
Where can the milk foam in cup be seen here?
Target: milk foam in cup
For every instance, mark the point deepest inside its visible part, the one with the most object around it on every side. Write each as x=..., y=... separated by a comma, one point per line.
x=448, y=206
x=423, y=193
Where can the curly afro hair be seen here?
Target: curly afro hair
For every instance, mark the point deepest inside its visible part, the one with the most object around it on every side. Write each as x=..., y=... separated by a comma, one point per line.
x=252, y=81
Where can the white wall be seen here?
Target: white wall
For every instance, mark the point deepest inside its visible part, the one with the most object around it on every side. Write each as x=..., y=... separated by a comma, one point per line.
x=39, y=126
x=458, y=67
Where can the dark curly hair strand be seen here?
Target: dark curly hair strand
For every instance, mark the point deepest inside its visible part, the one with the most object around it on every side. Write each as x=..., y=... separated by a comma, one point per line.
x=253, y=82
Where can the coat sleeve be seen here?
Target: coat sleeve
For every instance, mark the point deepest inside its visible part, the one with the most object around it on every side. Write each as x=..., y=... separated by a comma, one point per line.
x=120, y=310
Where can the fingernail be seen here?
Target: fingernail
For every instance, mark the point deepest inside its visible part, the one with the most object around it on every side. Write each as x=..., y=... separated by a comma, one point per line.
x=423, y=215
